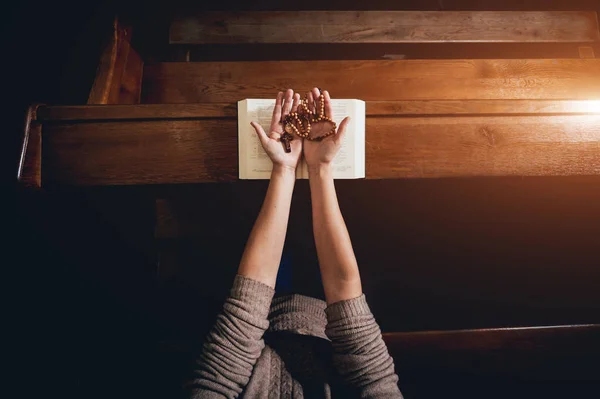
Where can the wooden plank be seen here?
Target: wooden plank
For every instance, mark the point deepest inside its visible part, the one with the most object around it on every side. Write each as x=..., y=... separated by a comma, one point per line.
x=195, y=151
x=374, y=108
x=481, y=107
x=30, y=164
x=148, y=152
x=375, y=80
x=138, y=111
x=371, y=51
x=534, y=351
x=387, y=5
x=384, y=27
x=483, y=146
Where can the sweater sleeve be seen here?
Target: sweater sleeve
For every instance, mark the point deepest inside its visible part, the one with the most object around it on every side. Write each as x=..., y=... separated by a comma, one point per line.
x=359, y=352
x=235, y=342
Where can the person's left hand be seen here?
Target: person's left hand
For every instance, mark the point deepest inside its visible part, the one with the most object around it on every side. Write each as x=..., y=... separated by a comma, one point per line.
x=272, y=145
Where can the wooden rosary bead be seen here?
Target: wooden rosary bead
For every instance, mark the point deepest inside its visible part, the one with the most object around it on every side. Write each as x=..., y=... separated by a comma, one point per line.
x=299, y=122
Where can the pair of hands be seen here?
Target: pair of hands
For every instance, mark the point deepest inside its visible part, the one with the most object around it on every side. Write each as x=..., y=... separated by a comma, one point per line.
x=317, y=153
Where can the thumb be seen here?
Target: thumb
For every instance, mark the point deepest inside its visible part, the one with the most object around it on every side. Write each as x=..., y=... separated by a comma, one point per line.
x=341, y=133
x=259, y=132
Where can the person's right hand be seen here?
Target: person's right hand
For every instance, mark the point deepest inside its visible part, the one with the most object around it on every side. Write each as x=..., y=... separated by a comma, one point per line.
x=321, y=153
x=271, y=143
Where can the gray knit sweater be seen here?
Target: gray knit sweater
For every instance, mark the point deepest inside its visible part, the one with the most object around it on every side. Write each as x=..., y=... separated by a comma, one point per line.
x=309, y=350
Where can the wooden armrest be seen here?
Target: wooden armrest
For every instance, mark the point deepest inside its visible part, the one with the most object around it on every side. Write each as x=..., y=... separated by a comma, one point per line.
x=30, y=164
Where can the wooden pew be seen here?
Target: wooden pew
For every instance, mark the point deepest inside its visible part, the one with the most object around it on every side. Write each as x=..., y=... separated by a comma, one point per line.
x=311, y=35
x=149, y=144
x=384, y=27
x=375, y=80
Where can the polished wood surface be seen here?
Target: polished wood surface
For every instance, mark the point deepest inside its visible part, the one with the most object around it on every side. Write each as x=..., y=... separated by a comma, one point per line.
x=373, y=108
x=143, y=111
x=196, y=151
x=384, y=27
x=119, y=75
x=564, y=352
x=375, y=80
x=377, y=51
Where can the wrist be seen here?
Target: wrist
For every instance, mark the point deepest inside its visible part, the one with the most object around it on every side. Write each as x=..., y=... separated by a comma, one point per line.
x=283, y=170
x=320, y=170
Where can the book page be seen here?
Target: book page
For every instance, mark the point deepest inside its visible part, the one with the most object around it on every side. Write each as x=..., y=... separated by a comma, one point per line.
x=255, y=163
x=258, y=165
x=347, y=161
x=343, y=162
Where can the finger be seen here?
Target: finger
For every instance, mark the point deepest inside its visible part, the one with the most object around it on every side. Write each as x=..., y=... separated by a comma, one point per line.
x=277, y=110
x=287, y=102
x=341, y=132
x=296, y=102
x=316, y=94
x=310, y=101
x=328, y=109
x=260, y=132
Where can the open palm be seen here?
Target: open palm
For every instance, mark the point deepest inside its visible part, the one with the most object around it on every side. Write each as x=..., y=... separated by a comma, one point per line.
x=324, y=151
x=271, y=143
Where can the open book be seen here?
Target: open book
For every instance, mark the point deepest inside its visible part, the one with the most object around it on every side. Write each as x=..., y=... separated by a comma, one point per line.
x=254, y=162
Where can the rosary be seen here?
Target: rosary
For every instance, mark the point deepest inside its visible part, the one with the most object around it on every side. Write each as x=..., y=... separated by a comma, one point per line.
x=299, y=123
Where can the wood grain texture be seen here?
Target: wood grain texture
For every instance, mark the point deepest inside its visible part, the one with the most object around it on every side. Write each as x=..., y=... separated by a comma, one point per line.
x=147, y=152
x=30, y=164
x=384, y=27
x=195, y=151
x=372, y=51
x=119, y=75
x=375, y=80
x=138, y=111
x=374, y=108
x=536, y=351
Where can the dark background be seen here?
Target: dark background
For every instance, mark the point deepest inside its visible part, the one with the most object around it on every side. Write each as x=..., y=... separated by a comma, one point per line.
x=83, y=308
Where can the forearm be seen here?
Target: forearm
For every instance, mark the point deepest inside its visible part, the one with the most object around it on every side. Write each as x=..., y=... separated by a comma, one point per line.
x=235, y=342
x=359, y=352
x=339, y=270
x=262, y=255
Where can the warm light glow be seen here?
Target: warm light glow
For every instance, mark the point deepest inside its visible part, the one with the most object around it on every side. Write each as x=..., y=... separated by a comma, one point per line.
x=592, y=106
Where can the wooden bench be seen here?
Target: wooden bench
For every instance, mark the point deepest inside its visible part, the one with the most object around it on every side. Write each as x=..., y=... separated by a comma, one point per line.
x=310, y=35
x=425, y=119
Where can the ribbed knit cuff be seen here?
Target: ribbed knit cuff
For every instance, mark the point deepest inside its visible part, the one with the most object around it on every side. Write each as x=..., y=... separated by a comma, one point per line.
x=298, y=314
x=253, y=292
x=298, y=303
x=348, y=308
